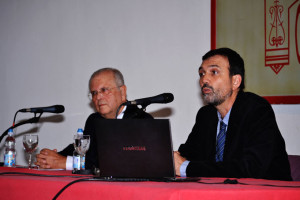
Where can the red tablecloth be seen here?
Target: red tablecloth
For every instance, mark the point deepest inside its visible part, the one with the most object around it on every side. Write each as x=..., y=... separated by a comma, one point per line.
x=14, y=186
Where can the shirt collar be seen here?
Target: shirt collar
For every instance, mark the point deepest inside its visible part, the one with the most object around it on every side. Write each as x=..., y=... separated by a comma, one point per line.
x=226, y=118
x=121, y=115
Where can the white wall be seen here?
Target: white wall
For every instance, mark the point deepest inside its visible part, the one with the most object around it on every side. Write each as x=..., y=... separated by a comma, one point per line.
x=288, y=118
x=48, y=50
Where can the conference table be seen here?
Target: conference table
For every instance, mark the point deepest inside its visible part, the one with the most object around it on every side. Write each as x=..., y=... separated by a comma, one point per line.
x=23, y=183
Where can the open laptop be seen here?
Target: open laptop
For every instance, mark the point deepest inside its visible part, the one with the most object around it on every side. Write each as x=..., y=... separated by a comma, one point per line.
x=135, y=149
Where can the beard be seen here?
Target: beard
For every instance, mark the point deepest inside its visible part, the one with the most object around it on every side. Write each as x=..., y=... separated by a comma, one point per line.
x=216, y=97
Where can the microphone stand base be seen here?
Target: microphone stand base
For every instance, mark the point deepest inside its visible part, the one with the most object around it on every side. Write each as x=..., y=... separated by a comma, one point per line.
x=85, y=172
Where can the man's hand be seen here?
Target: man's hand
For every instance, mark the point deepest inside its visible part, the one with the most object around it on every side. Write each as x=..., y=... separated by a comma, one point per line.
x=178, y=160
x=50, y=159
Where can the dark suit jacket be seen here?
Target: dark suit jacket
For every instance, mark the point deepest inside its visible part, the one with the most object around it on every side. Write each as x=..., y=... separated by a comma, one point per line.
x=254, y=146
x=131, y=112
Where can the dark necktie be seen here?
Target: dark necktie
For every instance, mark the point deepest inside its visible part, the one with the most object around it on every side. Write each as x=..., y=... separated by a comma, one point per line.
x=221, y=142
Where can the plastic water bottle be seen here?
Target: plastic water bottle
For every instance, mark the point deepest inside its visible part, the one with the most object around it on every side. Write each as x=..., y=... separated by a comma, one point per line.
x=76, y=155
x=82, y=157
x=82, y=162
x=10, y=150
x=76, y=161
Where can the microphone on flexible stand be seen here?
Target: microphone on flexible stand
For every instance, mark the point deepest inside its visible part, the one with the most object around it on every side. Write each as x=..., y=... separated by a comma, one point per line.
x=35, y=119
x=161, y=98
x=50, y=109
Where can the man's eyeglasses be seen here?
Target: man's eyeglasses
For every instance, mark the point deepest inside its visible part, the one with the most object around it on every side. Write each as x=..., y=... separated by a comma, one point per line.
x=104, y=91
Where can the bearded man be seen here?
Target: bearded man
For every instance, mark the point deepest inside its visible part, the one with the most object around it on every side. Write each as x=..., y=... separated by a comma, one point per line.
x=235, y=134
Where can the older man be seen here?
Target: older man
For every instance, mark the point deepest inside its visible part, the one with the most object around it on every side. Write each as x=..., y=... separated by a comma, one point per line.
x=107, y=92
x=235, y=134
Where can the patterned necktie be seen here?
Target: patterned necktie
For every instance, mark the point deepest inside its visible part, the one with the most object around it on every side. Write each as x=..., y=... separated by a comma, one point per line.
x=221, y=142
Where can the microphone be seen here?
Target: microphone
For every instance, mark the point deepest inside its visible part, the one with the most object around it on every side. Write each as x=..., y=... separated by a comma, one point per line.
x=162, y=98
x=51, y=109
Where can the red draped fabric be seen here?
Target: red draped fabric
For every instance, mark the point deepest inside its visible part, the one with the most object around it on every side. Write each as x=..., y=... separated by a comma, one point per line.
x=16, y=186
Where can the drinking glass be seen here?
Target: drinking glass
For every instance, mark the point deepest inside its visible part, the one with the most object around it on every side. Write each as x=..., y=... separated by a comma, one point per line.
x=30, y=143
x=82, y=145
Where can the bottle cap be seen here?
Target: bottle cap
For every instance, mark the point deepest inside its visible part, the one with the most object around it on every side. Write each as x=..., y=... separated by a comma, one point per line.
x=10, y=131
x=80, y=131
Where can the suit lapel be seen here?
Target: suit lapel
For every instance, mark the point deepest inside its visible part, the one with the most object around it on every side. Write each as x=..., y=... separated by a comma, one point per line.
x=233, y=126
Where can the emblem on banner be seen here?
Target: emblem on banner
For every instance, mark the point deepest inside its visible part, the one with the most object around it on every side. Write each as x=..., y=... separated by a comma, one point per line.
x=277, y=34
x=277, y=47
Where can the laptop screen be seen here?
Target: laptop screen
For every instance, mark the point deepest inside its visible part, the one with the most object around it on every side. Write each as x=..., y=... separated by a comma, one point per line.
x=134, y=148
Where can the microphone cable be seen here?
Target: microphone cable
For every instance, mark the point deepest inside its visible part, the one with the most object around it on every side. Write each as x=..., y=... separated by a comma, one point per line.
x=41, y=175
x=226, y=181
x=236, y=182
x=98, y=179
x=71, y=183
x=13, y=125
